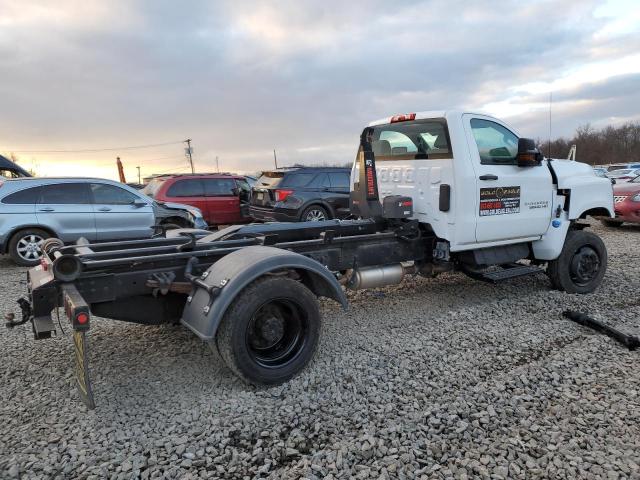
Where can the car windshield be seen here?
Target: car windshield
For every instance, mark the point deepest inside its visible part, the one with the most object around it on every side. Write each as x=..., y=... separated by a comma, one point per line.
x=635, y=180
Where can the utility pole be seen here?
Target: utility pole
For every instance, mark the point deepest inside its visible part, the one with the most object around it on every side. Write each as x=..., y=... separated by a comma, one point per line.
x=275, y=159
x=217, y=165
x=188, y=152
x=139, y=181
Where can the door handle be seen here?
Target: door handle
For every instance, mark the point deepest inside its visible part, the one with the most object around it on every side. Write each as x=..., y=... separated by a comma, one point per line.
x=47, y=209
x=489, y=176
x=104, y=209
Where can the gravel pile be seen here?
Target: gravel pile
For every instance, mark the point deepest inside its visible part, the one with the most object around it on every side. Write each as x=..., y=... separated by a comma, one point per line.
x=444, y=378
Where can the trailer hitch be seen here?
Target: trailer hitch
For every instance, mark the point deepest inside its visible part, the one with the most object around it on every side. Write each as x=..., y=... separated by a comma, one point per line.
x=630, y=341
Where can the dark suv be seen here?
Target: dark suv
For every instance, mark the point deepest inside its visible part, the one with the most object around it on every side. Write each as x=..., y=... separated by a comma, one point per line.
x=301, y=195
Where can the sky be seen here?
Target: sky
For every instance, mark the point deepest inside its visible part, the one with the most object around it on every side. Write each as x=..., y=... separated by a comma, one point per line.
x=301, y=77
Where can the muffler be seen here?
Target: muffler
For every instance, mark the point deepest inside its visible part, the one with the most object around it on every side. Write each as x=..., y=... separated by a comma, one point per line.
x=374, y=277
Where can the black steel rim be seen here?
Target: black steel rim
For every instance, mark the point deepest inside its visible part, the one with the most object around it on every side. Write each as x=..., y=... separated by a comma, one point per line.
x=277, y=333
x=585, y=265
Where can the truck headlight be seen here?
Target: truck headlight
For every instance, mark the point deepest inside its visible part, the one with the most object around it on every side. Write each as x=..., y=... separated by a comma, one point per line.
x=636, y=198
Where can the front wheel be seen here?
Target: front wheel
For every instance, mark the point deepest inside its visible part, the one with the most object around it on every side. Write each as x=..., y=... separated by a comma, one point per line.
x=25, y=247
x=581, y=265
x=271, y=331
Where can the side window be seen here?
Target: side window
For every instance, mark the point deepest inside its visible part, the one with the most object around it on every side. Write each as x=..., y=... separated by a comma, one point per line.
x=245, y=189
x=320, y=181
x=65, y=194
x=23, y=197
x=496, y=144
x=297, y=179
x=339, y=180
x=218, y=187
x=111, y=195
x=186, y=188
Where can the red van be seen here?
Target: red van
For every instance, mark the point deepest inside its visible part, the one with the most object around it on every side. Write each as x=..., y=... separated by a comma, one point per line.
x=223, y=199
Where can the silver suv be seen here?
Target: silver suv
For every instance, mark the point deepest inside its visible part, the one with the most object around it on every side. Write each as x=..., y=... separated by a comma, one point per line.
x=33, y=209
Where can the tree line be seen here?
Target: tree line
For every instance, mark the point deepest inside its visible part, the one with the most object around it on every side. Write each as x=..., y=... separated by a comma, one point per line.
x=603, y=146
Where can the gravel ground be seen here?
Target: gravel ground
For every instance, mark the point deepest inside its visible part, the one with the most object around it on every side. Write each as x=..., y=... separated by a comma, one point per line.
x=444, y=378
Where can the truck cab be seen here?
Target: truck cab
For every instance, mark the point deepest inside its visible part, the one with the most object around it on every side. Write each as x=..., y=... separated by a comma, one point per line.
x=462, y=172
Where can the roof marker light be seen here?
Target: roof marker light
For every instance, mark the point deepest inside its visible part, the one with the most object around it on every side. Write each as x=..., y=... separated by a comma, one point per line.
x=407, y=117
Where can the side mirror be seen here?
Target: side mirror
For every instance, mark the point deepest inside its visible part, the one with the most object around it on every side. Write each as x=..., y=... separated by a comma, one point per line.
x=235, y=191
x=138, y=202
x=613, y=181
x=528, y=153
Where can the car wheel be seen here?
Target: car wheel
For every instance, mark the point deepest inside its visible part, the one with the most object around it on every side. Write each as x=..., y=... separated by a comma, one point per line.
x=25, y=247
x=581, y=265
x=271, y=331
x=611, y=223
x=315, y=213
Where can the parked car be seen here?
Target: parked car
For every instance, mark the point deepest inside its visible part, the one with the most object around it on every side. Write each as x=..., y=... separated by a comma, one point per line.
x=11, y=169
x=301, y=194
x=626, y=198
x=621, y=166
x=176, y=215
x=34, y=209
x=600, y=171
x=623, y=175
x=222, y=198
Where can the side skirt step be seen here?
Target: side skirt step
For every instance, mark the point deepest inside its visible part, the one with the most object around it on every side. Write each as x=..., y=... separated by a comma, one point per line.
x=509, y=271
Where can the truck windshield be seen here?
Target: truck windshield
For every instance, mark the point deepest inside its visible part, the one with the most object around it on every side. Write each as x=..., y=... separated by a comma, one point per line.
x=414, y=140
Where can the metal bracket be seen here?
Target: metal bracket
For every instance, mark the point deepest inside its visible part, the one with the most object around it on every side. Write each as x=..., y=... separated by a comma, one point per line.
x=187, y=246
x=164, y=281
x=441, y=252
x=408, y=230
x=327, y=236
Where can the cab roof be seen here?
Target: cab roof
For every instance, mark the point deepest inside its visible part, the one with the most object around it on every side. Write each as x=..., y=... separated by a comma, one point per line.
x=422, y=116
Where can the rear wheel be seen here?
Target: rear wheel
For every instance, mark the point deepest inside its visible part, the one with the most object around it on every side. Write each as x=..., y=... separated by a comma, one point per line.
x=315, y=213
x=271, y=331
x=581, y=265
x=611, y=223
x=25, y=247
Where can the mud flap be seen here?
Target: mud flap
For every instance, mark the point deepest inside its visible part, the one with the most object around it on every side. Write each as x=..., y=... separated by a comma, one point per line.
x=83, y=380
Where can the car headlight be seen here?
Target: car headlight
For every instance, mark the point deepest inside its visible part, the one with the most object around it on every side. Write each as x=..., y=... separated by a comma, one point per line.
x=636, y=198
x=195, y=212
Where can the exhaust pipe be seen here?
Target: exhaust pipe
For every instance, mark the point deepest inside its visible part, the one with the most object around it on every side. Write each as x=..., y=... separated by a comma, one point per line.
x=374, y=277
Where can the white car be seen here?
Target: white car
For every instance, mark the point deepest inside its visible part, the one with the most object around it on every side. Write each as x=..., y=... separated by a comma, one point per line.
x=624, y=174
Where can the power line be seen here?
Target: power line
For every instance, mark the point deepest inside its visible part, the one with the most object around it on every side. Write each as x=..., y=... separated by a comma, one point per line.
x=94, y=150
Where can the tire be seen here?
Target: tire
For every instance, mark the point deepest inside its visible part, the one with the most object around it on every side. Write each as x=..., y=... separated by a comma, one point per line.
x=315, y=213
x=581, y=265
x=290, y=318
x=611, y=223
x=25, y=246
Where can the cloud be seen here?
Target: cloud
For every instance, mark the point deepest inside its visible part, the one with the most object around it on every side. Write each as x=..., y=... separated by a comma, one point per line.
x=243, y=78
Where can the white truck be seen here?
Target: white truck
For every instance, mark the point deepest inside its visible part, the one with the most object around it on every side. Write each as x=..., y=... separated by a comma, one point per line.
x=431, y=192
x=488, y=196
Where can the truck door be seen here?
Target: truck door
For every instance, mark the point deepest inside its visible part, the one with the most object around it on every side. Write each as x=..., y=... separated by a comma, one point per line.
x=513, y=202
x=117, y=216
